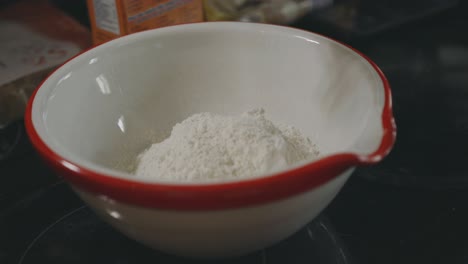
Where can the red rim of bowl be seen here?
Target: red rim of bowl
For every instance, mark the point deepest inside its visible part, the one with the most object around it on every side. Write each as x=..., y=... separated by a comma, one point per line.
x=215, y=196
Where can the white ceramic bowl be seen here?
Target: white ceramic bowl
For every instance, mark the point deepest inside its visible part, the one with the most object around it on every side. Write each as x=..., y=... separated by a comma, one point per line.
x=93, y=115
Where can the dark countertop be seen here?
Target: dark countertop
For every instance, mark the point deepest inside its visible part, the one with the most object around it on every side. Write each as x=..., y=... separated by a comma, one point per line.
x=411, y=208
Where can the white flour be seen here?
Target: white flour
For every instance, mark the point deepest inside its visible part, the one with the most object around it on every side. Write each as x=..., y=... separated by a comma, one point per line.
x=213, y=147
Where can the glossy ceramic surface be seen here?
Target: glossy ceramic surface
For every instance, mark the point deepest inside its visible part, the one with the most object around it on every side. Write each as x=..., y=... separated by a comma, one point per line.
x=92, y=116
x=66, y=231
x=216, y=233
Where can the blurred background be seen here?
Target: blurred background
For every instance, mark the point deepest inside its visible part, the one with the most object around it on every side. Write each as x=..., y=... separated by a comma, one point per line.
x=409, y=209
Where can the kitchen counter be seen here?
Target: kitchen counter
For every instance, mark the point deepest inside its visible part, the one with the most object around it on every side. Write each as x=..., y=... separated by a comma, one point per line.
x=409, y=209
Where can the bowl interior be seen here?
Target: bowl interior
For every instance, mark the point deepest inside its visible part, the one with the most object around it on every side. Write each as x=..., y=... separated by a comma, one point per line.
x=105, y=106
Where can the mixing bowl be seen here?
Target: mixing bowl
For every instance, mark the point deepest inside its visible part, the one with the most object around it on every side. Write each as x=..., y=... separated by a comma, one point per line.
x=91, y=117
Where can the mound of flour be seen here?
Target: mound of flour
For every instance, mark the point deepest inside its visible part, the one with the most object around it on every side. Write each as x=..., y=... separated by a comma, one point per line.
x=207, y=146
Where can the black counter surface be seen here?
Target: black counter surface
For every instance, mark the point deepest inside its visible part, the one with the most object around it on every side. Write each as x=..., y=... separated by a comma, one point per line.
x=411, y=208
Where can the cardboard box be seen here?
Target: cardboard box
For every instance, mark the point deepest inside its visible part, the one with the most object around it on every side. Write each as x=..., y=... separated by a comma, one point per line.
x=111, y=19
